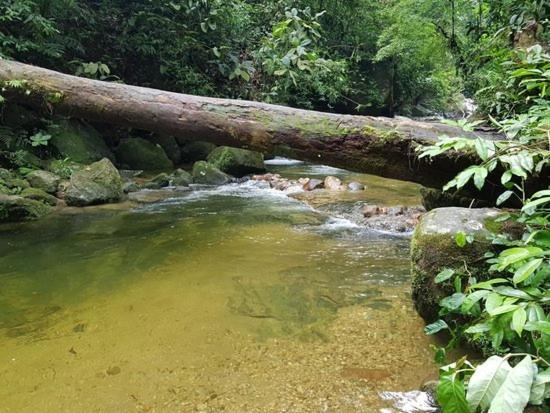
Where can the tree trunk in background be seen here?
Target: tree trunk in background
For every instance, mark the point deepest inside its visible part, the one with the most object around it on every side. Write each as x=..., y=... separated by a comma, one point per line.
x=379, y=146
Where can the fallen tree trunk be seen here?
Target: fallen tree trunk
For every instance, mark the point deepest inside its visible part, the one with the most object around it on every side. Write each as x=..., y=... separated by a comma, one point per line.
x=379, y=146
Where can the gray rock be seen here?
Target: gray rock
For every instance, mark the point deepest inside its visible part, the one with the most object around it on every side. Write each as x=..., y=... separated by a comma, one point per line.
x=207, y=174
x=98, y=183
x=44, y=180
x=237, y=162
x=138, y=153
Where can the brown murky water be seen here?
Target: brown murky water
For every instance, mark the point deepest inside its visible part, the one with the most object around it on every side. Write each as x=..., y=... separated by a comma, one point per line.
x=236, y=299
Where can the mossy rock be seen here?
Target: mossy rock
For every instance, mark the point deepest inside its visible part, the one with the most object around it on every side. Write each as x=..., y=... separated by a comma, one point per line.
x=194, y=151
x=16, y=208
x=39, y=195
x=170, y=146
x=207, y=174
x=44, y=180
x=138, y=153
x=433, y=248
x=237, y=162
x=79, y=142
x=98, y=183
x=181, y=178
x=162, y=180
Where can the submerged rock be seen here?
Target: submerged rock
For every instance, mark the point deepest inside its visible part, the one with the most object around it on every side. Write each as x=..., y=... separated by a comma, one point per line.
x=207, y=174
x=356, y=186
x=434, y=248
x=98, y=183
x=138, y=153
x=79, y=142
x=17, y=208
x=237, y=162
x=44, y=180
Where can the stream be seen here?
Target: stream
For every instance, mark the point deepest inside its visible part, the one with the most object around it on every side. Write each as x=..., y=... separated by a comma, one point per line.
x=230, y=299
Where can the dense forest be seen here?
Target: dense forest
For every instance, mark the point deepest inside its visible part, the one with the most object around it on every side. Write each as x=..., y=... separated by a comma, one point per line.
x=376, y=57
x=479, y=67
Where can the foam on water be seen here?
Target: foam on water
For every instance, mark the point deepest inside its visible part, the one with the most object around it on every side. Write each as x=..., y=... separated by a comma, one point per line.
x=278, y=160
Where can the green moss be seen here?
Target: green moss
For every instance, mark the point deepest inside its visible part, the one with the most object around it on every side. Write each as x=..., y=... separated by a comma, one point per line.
x=79, y=142
x=137, y=153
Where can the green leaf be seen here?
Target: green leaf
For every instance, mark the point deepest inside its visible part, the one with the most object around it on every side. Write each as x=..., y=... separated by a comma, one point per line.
x=504, y=197
x=473, y=298
x=513, y=395
x=512, y=292
x=538, y=389
x=513, y=255
x=519, y=317
x=479, y=177
x=452, y=302
x=482, y=149
x=444, y=275
x=525, y=271
x=478, y=328
x=503, y=309
x=506, y=176
x=493, y=301
x=463, y=177
x=451, y=395
x=542, y=326
x=435, y=327
x=486, y=381
x=460, y=239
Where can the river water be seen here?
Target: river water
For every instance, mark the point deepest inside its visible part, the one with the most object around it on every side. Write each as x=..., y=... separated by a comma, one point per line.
x=234, y=299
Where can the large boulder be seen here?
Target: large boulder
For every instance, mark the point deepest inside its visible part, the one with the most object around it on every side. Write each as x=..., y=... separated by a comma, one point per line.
x=15, y=208
x=44, y=180
x=207, y=174
x=193, y=151
x=79, y=142
x=237, y=162
x=98, y=183
x=138, y=153
x=434, y=248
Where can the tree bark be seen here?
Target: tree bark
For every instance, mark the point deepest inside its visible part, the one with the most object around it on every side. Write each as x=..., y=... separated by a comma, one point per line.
x=375, y=145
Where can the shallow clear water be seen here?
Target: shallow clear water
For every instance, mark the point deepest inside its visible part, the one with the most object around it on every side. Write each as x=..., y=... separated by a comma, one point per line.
x=235, y=299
